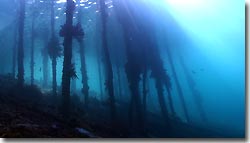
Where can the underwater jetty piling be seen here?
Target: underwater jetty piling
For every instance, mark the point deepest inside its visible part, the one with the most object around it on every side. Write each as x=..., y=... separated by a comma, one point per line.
x=85, y=88
x=144, y=83
x=20, y=55
x=118, y=72
x=14, y=52
x=195, y=93
x=98, y=53
x=15, y=45
x=54, y=49
x=54, y=46
x=73, y=80
x=108, y=65
x=161, y=80
x=67, y=33
x=170, y=101
x=145, y=68
x=144, y=94
x=136, y=65
x=80, y=39
x=133, y=71
x=32, y=63
x=52, y=21
x=177, y=83
x=45, y=55
x=159, y=74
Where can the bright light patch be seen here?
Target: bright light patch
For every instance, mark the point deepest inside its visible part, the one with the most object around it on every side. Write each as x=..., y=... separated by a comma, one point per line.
x=189, y=6
x=83, y=1
x=63, y=1
x=204, y=17
x=215, y=26
x=110, y=6
x=208, y=20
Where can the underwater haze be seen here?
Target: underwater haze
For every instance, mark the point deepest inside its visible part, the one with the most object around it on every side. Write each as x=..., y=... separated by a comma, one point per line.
x=122, y=68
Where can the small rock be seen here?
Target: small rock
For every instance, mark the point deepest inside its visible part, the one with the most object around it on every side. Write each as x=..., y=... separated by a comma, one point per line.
x=54, y=126
x=85, y=132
